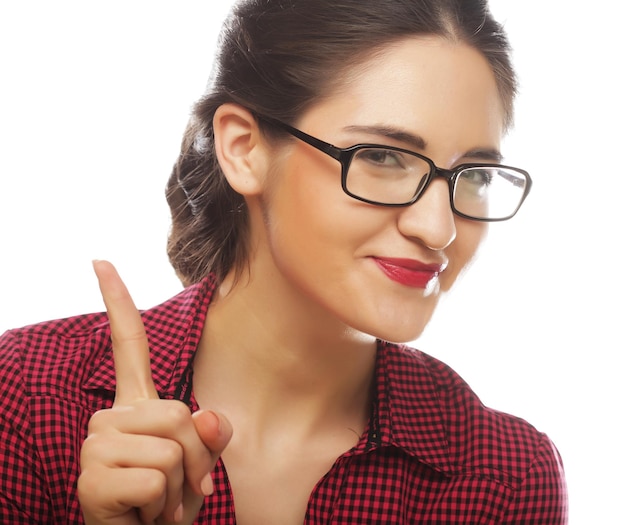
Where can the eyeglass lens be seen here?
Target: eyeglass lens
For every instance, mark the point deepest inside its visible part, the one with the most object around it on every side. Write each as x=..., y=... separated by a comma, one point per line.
x=394, y=177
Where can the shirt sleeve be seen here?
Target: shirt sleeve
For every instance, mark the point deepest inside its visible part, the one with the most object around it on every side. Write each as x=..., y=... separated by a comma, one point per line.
x=23, y=493
x=542, y=497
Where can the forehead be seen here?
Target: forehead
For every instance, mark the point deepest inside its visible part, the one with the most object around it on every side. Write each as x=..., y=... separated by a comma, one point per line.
x=429, y=84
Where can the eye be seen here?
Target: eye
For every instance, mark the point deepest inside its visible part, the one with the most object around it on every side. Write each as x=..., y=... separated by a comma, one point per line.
x=474, y=183
x=478, y=177
x=380, y=157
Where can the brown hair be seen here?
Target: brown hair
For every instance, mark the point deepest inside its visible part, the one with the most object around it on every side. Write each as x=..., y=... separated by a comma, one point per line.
x=278, y=57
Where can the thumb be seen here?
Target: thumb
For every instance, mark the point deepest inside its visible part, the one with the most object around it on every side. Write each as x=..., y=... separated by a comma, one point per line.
x=215, y=432
x=213, y=429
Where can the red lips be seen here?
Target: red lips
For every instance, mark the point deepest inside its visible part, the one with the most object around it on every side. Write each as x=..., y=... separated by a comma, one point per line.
x=409, y=272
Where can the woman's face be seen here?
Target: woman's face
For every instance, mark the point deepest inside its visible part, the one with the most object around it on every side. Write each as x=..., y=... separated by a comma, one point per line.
x=371, y=267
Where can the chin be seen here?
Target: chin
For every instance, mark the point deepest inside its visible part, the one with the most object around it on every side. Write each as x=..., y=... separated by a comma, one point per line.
x=403, y=323
x=399, y=334
x=401, y=338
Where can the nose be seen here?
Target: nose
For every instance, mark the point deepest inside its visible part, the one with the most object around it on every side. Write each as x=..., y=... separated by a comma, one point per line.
x=430, y=220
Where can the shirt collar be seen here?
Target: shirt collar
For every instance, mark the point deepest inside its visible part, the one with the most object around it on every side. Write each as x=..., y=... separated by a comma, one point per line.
x=174, y=329
x=408, y=406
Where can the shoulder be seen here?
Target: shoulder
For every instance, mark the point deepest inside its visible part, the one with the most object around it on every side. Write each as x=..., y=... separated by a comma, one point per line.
x=481, y=442
x=47, y=355
x=468, y=423
x=54, y=358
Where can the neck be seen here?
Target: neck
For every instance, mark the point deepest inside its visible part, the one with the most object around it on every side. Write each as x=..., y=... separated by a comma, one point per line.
x=269, y=357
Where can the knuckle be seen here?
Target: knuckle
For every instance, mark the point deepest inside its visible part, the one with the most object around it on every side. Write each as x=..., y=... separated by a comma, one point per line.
x=177, y=413
x=88, y=486
x=109, y=419
x=98, y=420
x=170, y=454
x=89, y=447
x=153, y=483
x=136, y=336
x=96, y=448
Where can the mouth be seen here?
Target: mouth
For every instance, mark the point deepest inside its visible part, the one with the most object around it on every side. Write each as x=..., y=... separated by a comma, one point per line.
x=409, y=272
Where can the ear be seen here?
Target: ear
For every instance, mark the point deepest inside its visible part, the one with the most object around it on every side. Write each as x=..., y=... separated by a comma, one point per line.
x=240, y=150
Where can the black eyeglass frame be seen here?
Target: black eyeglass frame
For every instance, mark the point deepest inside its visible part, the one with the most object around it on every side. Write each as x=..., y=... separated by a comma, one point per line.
x=345, y=156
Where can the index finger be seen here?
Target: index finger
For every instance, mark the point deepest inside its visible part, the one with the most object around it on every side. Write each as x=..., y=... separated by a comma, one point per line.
x=131, y=352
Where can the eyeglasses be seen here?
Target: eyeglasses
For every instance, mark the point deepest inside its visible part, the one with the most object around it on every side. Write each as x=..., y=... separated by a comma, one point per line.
x=395, y=177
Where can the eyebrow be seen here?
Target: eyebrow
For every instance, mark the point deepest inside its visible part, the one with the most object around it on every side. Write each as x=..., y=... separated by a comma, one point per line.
x=391, y=133
x=419, y=143
x=489, y=154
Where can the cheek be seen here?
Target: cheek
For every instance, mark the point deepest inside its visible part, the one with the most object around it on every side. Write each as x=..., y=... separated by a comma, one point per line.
x=300, y=210
x=305, y=207
x=469, y=237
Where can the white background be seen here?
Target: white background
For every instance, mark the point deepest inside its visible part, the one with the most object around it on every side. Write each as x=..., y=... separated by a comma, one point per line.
x=93, y=102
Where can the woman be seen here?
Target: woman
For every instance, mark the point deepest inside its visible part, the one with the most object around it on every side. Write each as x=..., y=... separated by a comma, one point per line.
x=333, y=182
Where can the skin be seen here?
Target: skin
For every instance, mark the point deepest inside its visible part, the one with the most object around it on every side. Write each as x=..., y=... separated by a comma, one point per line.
x=145, y=458
x=294, y=378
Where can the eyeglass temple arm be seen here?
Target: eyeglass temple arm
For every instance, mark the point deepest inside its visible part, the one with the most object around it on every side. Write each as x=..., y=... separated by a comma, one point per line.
x=325, y=147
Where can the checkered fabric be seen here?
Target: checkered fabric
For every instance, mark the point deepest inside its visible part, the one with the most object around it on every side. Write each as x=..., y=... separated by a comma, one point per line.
x=432, y=453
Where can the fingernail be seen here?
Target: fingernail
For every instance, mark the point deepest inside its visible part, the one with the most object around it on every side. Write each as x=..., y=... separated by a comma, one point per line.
x=206, y=485
x=218, y=422
x=179, y=514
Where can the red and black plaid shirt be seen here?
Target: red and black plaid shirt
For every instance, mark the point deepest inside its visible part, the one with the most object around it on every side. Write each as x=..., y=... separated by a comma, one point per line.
x=432, y=453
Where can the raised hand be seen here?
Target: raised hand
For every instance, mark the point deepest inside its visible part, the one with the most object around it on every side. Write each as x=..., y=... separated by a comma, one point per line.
x=145, y=460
